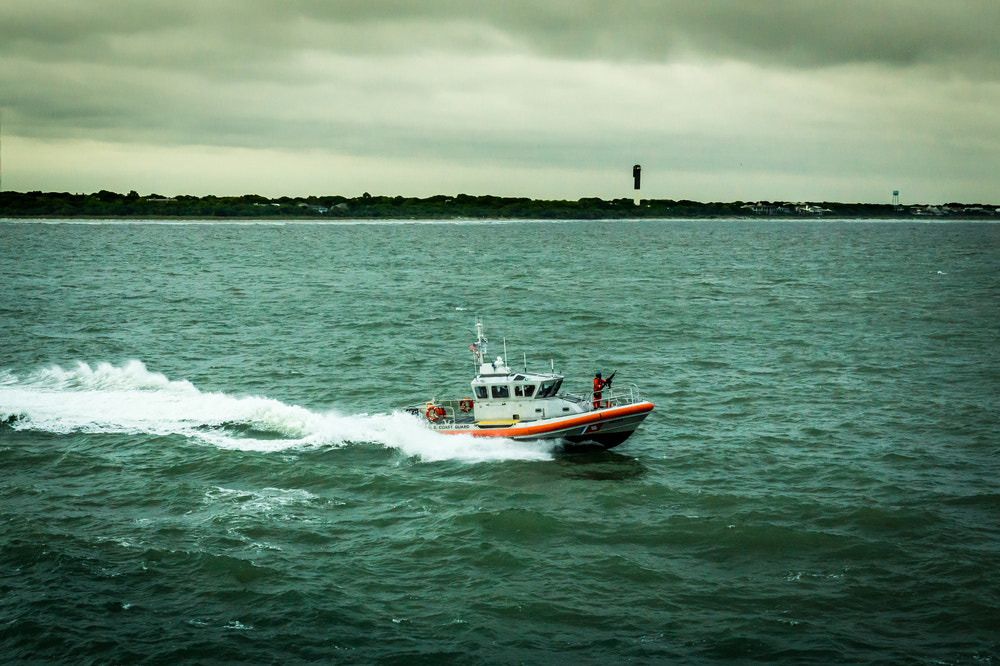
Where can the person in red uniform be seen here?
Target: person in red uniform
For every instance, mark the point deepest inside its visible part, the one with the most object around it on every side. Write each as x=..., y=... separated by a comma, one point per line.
x=598, y=385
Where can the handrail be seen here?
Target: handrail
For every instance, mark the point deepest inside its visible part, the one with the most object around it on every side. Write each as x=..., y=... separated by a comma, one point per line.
x=617, y=396
x=452, y=410
x=627, y=394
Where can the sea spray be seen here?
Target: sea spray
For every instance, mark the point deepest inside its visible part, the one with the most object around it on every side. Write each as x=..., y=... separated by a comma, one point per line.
x=130, y=398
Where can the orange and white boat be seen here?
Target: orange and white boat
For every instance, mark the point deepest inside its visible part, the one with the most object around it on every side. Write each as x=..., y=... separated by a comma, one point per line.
x=528, y=405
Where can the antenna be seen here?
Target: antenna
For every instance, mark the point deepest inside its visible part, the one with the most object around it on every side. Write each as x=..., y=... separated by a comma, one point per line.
x=479, y=348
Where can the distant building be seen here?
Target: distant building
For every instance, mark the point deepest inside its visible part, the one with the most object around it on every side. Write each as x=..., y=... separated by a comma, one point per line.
x=809, y=209
x=318, y=209
x=766, y=208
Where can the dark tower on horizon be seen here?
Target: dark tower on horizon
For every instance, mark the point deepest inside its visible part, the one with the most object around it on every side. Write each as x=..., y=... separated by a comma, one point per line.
x=636, y=174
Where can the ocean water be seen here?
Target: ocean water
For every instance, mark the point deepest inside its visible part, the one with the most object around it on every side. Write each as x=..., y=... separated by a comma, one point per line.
x=202, y=458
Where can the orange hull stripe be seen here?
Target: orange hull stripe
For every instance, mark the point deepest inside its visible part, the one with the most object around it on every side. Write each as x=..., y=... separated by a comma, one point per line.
x=585, y=419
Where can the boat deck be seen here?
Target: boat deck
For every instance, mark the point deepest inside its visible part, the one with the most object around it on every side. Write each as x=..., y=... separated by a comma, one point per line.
x=455, y=417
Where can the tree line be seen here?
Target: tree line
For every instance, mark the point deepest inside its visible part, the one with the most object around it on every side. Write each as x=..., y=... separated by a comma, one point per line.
x=133, y=205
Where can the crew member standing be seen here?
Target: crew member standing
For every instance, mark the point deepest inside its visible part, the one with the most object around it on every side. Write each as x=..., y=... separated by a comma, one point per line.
x=598, y=385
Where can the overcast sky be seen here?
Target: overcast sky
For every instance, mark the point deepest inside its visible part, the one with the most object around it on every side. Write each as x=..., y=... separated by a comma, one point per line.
x=719, y=100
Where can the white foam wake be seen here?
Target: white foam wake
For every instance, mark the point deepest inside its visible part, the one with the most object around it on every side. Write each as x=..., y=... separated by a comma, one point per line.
x=131, y=399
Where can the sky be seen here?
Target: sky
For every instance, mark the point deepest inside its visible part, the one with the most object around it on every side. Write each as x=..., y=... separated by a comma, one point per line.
x=718, y=100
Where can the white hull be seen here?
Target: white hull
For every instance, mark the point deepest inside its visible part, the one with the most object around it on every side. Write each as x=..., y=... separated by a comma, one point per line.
x=605, y=426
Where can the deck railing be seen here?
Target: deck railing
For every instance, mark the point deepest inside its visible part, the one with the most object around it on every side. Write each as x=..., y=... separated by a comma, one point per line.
x=454, y=415
x=453, y=411
x=615, y=396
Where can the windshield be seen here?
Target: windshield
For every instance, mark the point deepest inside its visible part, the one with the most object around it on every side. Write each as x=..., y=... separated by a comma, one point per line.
x=549, y=388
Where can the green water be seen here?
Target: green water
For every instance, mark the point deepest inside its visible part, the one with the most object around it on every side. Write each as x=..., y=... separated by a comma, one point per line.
x=202, y=462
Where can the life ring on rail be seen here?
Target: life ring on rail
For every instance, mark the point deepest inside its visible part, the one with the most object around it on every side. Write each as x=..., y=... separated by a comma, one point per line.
x=465, y=404
x=434, y=413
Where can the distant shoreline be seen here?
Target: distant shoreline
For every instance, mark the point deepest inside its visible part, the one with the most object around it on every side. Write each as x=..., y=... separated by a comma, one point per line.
x=111, y=205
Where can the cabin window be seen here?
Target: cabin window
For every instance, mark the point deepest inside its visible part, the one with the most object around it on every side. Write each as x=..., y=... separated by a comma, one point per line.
x=501, y=391
x=524, y=390
x=482, y=392
x=548, y=388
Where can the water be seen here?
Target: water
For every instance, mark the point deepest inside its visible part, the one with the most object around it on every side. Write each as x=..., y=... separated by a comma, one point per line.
x=202, y=461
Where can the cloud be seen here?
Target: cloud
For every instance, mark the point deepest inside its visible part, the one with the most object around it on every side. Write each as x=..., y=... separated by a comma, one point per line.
x=960, y=34
x=778, y=92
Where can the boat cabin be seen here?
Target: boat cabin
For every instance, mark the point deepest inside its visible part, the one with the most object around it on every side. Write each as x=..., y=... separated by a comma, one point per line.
x=502, y=395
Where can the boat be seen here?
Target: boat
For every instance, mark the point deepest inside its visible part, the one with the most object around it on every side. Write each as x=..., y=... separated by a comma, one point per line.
x=524, y=405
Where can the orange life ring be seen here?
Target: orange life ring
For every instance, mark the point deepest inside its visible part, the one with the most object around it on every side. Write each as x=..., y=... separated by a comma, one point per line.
x=434, y=413
x=465, y=404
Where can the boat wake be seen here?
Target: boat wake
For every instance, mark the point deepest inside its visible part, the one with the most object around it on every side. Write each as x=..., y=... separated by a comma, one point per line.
x=130, y=399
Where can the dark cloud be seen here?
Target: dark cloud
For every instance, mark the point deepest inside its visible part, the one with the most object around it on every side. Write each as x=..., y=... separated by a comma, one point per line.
x=959, y=34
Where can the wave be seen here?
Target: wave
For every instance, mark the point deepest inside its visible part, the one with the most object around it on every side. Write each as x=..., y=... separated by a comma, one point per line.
x=130, y=399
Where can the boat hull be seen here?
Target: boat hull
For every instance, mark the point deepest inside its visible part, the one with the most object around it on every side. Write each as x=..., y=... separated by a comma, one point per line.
x=605, y=428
